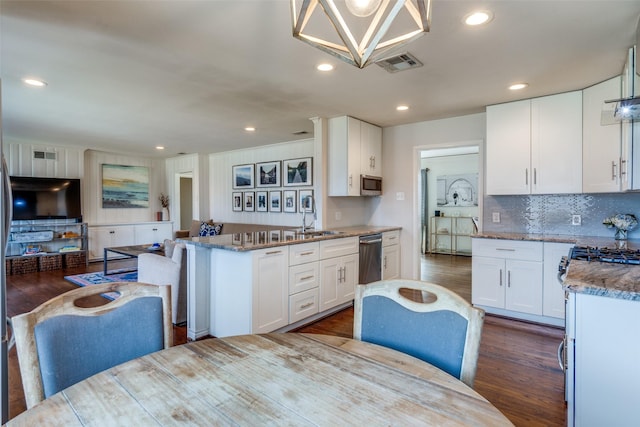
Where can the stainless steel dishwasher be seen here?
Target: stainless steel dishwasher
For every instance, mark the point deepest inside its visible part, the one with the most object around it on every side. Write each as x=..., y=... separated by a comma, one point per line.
x=370, y=258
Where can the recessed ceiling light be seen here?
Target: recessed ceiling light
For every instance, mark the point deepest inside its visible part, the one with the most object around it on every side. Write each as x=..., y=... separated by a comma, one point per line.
x=402, y=107
x=478, y=18
x=518, y=86
x=250, y=129
x=324, y=67
x=159, y=147
x=34, y=82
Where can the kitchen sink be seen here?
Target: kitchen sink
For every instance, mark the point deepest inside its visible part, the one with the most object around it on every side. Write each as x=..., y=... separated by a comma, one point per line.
x=319, y=233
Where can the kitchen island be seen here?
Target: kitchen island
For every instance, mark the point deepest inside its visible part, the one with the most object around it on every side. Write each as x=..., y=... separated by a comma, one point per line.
x=275, y=280
x=602, y=343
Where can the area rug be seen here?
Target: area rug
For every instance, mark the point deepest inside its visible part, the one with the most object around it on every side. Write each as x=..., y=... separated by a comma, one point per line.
x=88, y=279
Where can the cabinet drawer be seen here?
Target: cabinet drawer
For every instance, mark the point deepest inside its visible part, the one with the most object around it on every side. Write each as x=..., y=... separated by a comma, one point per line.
x=303, y=305
x=303, y=277
x=391, y=238
x=507, y=249
x=338, y=247
x=305, y=252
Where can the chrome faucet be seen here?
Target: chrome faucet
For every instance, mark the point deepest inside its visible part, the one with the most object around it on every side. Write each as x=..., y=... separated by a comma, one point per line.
x=308, y=205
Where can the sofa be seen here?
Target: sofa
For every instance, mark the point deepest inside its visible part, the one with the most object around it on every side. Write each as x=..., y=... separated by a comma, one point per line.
x=227, y=228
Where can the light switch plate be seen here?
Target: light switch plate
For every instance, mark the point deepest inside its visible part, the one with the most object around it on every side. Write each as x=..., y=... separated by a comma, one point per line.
x=496, y=217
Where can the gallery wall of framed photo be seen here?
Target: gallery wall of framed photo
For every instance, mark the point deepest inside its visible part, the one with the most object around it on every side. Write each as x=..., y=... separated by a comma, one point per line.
x=273, y=186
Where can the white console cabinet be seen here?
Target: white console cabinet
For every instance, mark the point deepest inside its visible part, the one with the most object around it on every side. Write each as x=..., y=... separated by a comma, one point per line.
x=110, y=235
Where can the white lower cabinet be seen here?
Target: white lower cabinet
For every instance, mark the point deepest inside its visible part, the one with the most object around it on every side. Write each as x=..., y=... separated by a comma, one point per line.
x=338, y=280
x=604, y=347
x=507, y=275
x=553, y=303
x=391, y=255
x=270, y=294
x=339, y=267
x=304, y=280
x=109, y=236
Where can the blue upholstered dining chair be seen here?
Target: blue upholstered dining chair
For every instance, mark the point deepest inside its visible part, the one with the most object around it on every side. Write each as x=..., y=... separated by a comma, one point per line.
x=60, y=343
x=421, y=319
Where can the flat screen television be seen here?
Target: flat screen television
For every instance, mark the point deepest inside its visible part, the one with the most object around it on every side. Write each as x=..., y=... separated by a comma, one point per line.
x=46, y=198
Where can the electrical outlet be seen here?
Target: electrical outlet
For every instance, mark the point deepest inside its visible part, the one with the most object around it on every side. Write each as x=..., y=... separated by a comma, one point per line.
x=400, y=195
x=496, y=217
x=576, y=220
x=338, y=215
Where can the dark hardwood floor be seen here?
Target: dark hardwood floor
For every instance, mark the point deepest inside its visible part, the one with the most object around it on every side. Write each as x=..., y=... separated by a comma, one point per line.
x=517, y=368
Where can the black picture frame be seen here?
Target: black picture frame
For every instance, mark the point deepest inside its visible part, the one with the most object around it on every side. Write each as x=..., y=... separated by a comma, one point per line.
x=268, y=174
x=262, y=201
x=275, y=201
x=297, y=172
x=305, y=204
x=243, y=176
x=249, y=201
x=289, y=201
x=237, y=201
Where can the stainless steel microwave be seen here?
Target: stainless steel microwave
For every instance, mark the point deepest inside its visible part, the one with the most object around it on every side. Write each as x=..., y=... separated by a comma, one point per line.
x=370, y=185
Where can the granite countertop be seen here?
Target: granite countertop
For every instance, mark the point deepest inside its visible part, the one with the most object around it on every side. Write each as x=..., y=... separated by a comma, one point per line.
x=241, y=242
x=591, y=241
x=603, y=279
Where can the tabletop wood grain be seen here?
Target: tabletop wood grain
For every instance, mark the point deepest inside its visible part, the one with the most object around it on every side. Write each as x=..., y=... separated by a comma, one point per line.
x=277, y=379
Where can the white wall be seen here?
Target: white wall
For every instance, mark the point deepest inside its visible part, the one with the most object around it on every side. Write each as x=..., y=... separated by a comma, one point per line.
x=92, y=188
x=401, y=165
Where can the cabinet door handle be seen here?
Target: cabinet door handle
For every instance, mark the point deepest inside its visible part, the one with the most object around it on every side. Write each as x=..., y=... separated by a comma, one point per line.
x=526, y=176
x=535, y=176
x=384, y=262
x=273, y=252
x=306, y=278
x=613, y=170
x=506, y=249
x=350, y=180
x=154, y=229
x=623, y=167
x=306, y=253
x=500, y=277
x=509, y=278
x=112, y=232
x=307, y=305
x=561, y=355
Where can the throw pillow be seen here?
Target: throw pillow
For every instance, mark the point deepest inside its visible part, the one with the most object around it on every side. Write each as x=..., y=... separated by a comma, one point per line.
x=207, y=229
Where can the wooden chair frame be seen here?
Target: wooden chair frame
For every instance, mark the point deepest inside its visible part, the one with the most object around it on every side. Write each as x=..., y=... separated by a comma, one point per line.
x=446, y=300
x=65, y=304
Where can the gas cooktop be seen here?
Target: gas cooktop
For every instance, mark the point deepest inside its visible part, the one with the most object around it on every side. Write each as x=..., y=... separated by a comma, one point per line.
x=620, y=256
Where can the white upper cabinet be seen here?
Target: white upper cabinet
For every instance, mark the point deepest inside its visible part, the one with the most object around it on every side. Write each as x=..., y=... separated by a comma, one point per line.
x=535, y=146
x=370, y=149
x=355, y=148
x=601, y=144
x=509, y=148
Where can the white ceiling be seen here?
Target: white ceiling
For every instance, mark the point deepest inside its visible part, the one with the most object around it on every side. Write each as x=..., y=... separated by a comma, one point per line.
x=125, y=76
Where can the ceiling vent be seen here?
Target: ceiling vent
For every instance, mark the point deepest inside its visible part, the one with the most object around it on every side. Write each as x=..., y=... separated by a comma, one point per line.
x=404, y=61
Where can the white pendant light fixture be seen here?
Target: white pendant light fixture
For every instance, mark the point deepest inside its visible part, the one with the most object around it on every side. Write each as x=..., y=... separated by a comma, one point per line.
x=380, y=15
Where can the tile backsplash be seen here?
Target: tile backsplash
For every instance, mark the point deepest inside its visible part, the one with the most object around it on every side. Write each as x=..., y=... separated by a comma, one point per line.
x=551, y=214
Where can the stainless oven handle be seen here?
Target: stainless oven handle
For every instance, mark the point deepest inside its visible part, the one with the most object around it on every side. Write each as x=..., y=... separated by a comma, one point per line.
x=561, y=355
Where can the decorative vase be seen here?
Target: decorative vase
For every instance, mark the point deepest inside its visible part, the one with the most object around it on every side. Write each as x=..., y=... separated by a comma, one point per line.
x=621, y=234
x=165, y=214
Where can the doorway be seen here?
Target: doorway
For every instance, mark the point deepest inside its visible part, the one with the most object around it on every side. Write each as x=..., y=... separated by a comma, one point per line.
x=185, y=194
x=450, y=199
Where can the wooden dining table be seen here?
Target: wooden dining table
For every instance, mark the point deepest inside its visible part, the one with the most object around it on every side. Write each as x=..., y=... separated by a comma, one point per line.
x=271, y=379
